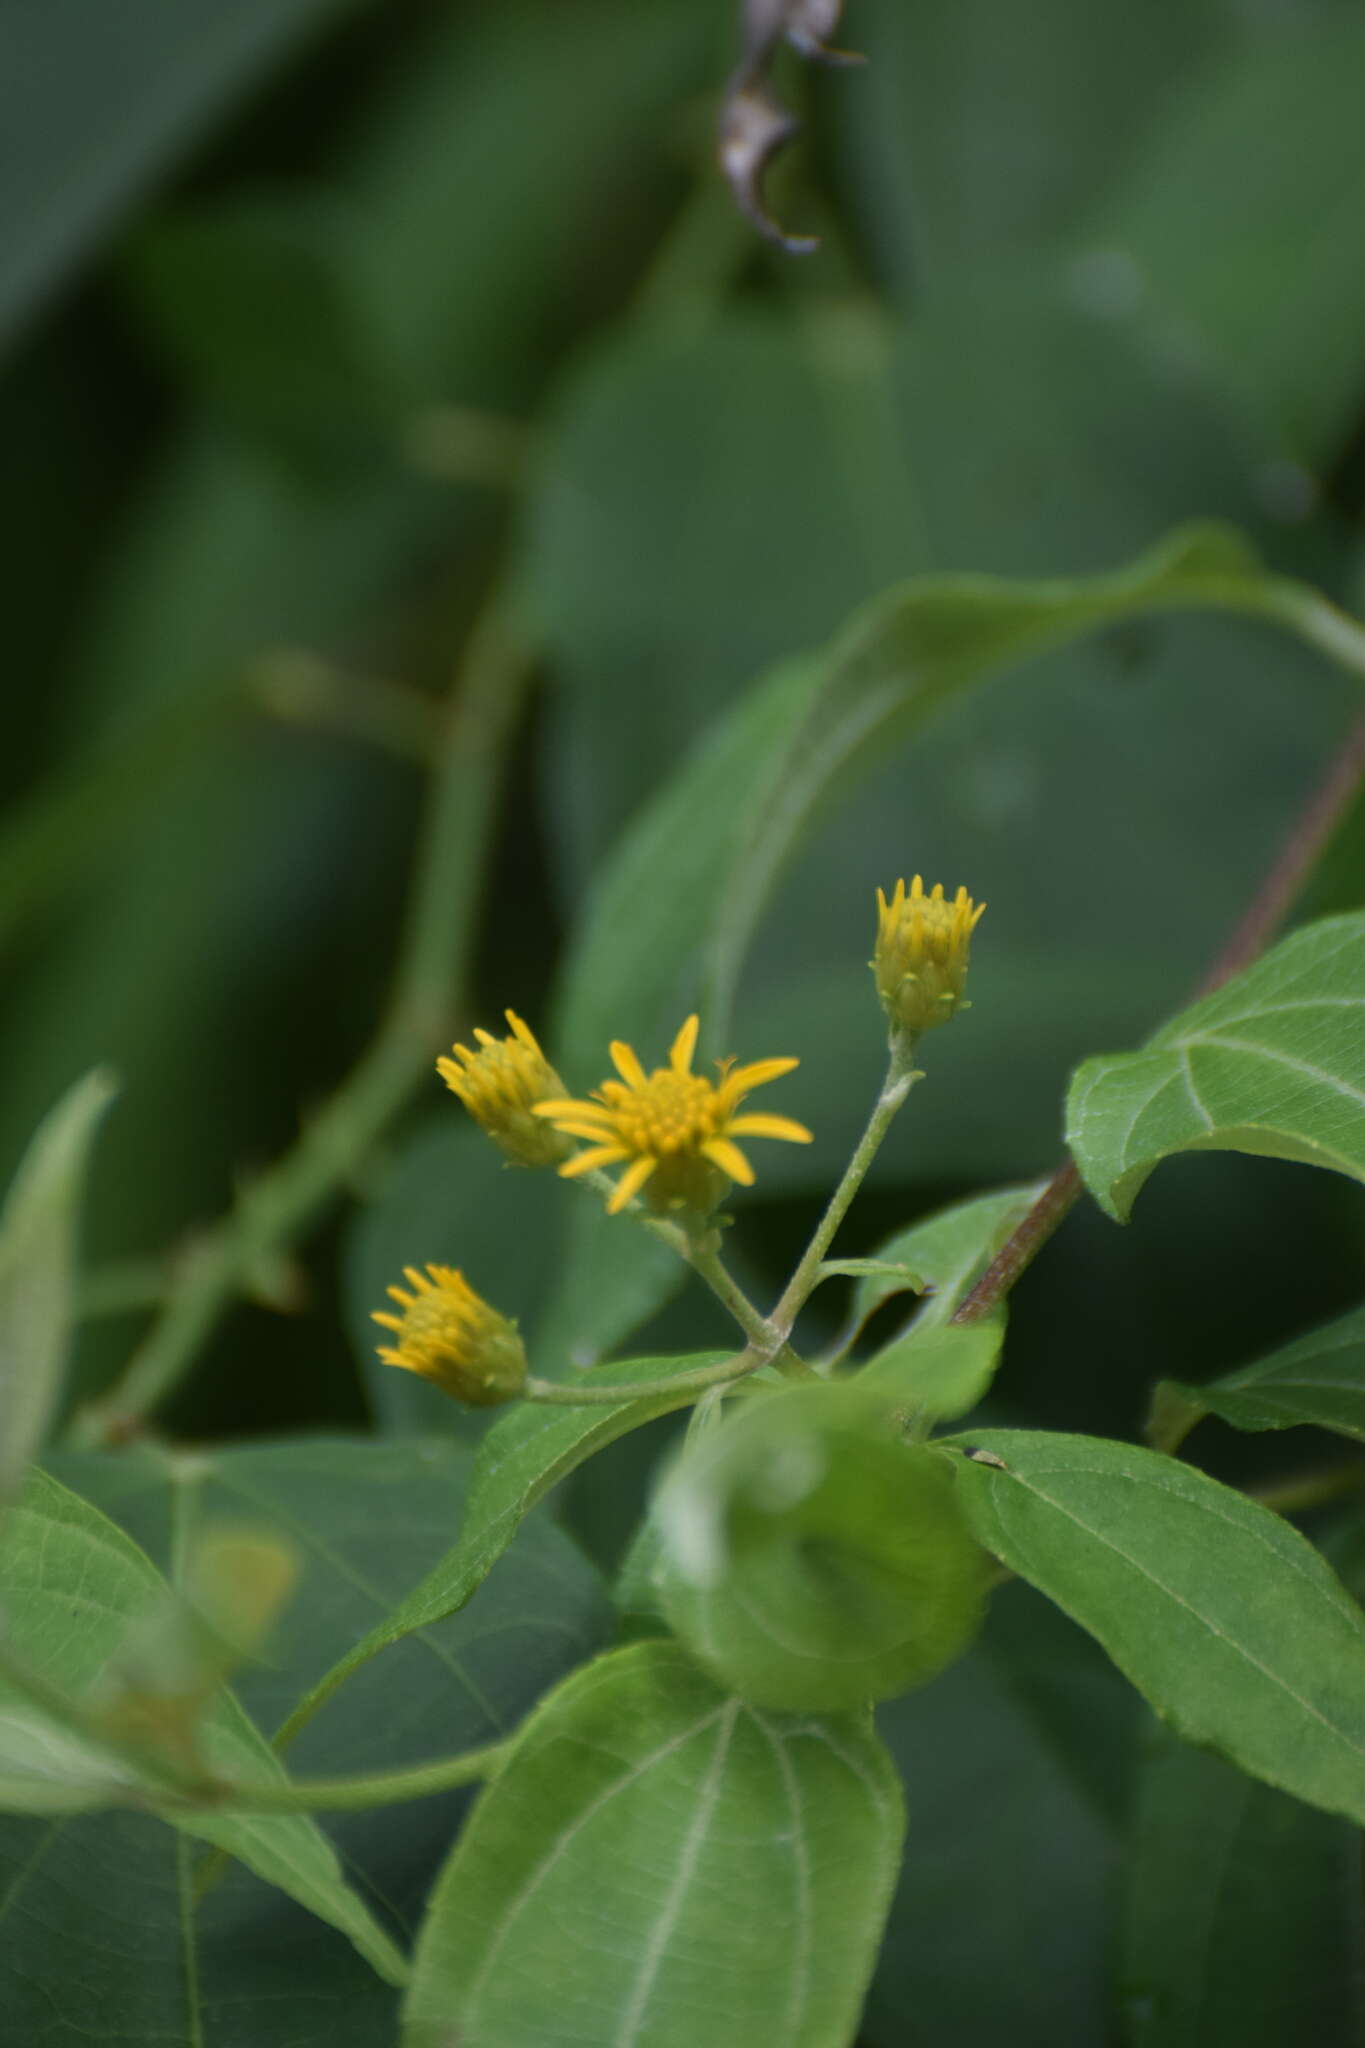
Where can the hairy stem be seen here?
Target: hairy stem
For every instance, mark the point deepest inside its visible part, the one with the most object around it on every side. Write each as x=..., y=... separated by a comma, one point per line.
x=703, y=1257
x=900, y=1079
x=558, y=1394
x=352, y=1795
x=1271, y=905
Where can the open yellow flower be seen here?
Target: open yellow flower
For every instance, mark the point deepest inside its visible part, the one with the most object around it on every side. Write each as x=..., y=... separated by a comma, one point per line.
x=499, y=1084
x=673, y=1131
x=453, y=1337
x=924, y=946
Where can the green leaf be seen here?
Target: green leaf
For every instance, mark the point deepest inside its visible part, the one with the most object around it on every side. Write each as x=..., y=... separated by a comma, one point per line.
x=1271, y=1063
x=1000, y=1927
x=1258, y=276
x=1318, y=1379
x=813, y=1559
x=903, y=1279
x=95, y=103
x=366, y=1519
x=1221, y=1614
x=673, y=898
x=316, y=376
x=937, y=1374
x=980, y=131
x=741, y=1861
x=92, y=1915
x=526, y=1452
x=38, y=1272
x=1242, y=1920
x=62, y=1557
x=45, y=1768
x=951, y=1248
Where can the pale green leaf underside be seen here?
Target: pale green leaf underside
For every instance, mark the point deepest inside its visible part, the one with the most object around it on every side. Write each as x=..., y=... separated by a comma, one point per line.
x=660, y=1863
x=37, y=1271
x=1272, y=1063
x=1318, y=1379
x=1220, y=1613
x=70, y=1584
x=526, y=1452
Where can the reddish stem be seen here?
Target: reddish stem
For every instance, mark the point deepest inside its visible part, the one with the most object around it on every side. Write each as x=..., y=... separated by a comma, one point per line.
x=1268, y=910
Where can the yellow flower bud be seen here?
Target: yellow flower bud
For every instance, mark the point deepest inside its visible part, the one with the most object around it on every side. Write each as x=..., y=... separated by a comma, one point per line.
x=451, y=1336
x=500, y=1085
x=924, y=946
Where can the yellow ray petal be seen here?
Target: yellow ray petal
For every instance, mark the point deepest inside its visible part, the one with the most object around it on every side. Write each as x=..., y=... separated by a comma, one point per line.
x=597, y=1134
x=584, y=1162
x=730, y=1160
x=630, y=1184
x=768, y=1127
x=554, y=1106
x=626, y=1064
x=684, y=1045
x=742, y=1079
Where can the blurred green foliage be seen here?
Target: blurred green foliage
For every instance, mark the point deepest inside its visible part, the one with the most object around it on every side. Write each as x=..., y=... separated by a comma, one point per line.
x=321, y=321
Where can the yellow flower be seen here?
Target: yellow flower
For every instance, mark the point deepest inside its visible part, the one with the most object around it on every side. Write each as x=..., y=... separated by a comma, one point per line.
x=673, y=1130
x=450, y=1335
x=500, y=1084
x=924, y=946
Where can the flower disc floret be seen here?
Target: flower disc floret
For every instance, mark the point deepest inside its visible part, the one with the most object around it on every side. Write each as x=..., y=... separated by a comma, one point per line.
x=673, y=1131
x=450, y=1335
x=500, y=1085
x=924, y=945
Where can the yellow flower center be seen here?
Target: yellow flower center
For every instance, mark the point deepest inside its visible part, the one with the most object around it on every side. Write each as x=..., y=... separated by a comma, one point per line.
x=670, y=1113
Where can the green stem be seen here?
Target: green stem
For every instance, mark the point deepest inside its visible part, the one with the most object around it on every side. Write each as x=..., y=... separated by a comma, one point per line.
x=1310, y=1489
x=300, y=688
x=704, y=1260
x=901, y=1077
x=352, y=1795
x=558, y=1394
x=122, y=1288
x=727, y=1290
x=432, y=966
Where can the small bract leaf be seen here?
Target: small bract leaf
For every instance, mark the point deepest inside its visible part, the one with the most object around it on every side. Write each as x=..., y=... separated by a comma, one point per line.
x=937, y=1374
x=950, y=1248
x=813, y=1559
x=37, y=1271
x=1272, y=1063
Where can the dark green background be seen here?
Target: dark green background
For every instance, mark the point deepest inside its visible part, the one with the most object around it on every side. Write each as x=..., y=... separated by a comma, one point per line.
x=1089, y=268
